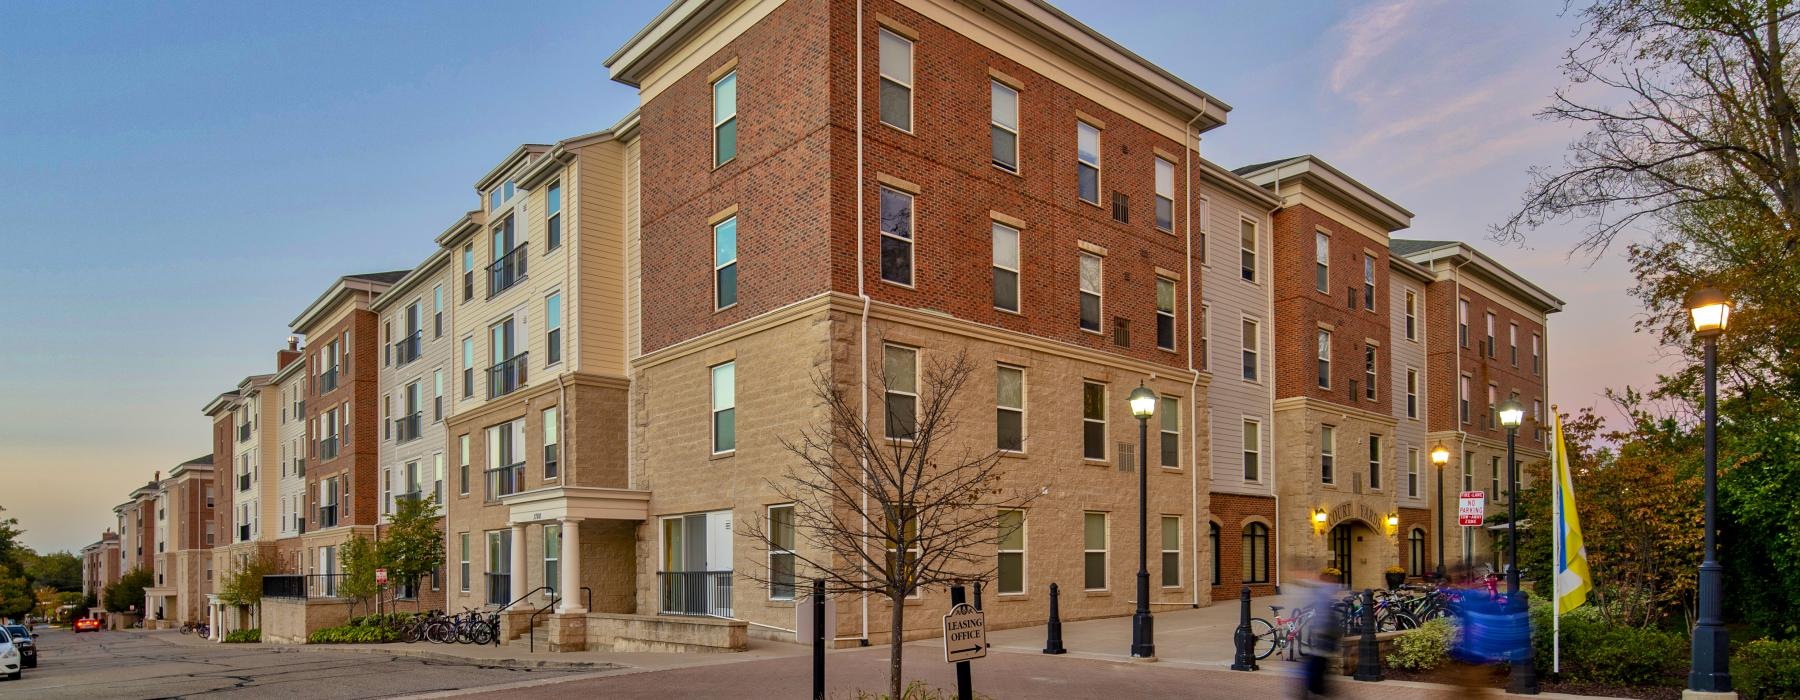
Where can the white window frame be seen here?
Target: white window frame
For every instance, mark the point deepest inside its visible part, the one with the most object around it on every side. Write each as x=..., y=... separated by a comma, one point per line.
x=1022, y=553
x=1412, y=315
x=1252, y=342
x=1168, y=413
x=1412, y=472
x=1164, y=194
x=1322, y=262
x=1105, y=394
x=1463, y=402
x=1017, y=281
x=1371, y=365
x=1252, y=449
x=1163, y=561
x=1328, y=454
x=889, y=391
x=713, y=385
x=995, y=89
x=775, y=550
x=1462, y=322
x=1368, y=282
x=883, y=33
x=553, y=325
x=1105, y=550
x=463, y=563
x=1375, y=463
x=1412, y=393
x=1512, y=342
x=1020, y=409
x=1537, y=364
x=910, y=240
x=1080, y=162
x=1168, y=313
x=719, y=266
x=1249, y=252
x=1323, y=342
x=1098, y=293
x=718, y=123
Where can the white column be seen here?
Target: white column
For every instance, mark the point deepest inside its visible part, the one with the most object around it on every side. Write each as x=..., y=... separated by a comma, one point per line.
x=569, y=566
x=518, y=561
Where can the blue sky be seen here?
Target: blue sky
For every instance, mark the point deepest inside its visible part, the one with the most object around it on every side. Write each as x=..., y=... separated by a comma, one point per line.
x=182, y=178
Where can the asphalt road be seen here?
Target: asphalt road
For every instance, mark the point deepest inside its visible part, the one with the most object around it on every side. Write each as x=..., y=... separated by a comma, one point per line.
x=137, y=664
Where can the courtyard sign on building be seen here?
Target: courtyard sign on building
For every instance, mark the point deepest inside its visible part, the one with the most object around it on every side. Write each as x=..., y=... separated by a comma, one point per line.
x=1471, y=508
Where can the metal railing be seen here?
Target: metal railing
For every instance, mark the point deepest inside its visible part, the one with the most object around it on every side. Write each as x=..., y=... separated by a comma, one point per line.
x=507, y=271
x=302, y=586
x=412, y=495
x=504, y=481
x=508, y=376
x=328, y=448
x=328, y=516
x=328, y=380
x=695, y=593
x=407, y=349
x=406, y=429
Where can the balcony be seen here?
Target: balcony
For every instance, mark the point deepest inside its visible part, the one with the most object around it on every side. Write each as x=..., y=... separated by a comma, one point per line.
x=328, y=448
x=507, y=377
x=244, y=481
x=695, y=593
x=328, y=516
x=407, y=429
x=412, y=495
x=244, y=432
x=328, y=381
x=504, y=481
x=507, y=271
x=407, y=349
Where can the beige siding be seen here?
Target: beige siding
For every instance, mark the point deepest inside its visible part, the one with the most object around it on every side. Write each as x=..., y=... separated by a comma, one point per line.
x=600, y=297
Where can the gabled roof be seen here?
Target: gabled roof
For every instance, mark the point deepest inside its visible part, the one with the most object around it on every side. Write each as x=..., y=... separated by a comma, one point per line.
x=220, y=402
x=1463, y=255
x=519, y=155
x=1314, y=171
x=412, y=279
x=369, y=282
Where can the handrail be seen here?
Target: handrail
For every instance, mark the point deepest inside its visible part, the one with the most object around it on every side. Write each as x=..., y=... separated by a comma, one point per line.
x=516, y=601
x=531, y=622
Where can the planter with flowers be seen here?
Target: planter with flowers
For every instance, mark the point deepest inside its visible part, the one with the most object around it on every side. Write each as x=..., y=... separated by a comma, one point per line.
x=1395, y=576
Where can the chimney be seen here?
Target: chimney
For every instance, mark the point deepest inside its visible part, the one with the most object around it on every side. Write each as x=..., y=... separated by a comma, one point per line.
x=283, y=358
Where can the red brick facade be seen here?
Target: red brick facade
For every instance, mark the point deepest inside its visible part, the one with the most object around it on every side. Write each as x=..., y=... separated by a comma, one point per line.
x=356, y=462
x=1301, y=309
x=1418, y=518
x=1233, y=513
x=1446, y=367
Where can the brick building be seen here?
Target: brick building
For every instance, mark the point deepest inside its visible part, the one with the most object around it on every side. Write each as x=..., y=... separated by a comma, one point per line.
x=100, y=564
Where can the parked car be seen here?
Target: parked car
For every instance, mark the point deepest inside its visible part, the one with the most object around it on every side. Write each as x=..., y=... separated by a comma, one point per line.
x=10, y=665
x=26, y=641
x=87, y=624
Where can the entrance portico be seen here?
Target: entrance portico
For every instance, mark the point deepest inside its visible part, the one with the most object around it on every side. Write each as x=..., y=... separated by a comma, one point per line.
x=584, y=537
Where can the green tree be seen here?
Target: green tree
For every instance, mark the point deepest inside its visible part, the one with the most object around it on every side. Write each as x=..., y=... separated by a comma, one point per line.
x=10, y=547
x=58, y=570
x=242, y=586
x=127, y=591
x=360, y=558
x=413, y=547
x=15, y=593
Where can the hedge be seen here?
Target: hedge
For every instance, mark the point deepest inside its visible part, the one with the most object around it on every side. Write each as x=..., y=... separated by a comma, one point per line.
x=249, y=636
x=353, y=634
x=1767, y=670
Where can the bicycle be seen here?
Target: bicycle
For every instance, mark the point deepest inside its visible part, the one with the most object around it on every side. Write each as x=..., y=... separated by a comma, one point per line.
x=1290, y=633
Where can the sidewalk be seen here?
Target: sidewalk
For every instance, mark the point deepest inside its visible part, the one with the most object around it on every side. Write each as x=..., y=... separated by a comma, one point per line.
x=1198, y=637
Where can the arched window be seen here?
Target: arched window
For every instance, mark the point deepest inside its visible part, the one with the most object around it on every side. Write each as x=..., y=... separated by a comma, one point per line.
x=1415, y=548
x=1212, y=539
x=1256, y=553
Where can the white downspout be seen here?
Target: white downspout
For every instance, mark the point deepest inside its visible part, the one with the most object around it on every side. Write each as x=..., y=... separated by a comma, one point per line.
x=861, y=293
x=1191, y=144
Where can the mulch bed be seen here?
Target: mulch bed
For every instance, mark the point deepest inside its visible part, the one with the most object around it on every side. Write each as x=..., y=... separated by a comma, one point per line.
x=1495, y=677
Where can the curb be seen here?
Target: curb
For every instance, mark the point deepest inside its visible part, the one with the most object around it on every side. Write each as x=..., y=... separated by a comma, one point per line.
x=458, y=658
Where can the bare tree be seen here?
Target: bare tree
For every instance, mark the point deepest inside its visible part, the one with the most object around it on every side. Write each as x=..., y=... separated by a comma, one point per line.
x=860, y=496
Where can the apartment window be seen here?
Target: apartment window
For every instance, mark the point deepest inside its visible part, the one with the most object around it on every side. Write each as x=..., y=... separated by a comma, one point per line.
x=462, y=562
x=725, y=122
x=1324, y=362
x=1412, y=393
x=1412, y=315
x=1006, y=267
x=1369, y=371
x=1205, y=349
x=1093, y=421
x=781, y=552
x=1247, y=250
x=1512, y=343
x=507, y=372
x=725, y=258
x=1412, y=472
x=1087, y=162
x=553, y=217
x=1003, y=125
x=1537, y=418
x=724, y=407
x=1327, y=454
x=896, y=80
x=499, y=566
x=550, y=443
x=1490, y=334
x=1170, y=432
x=1092, y=284
x=1165, y=195
x=896, y=236
x=1537, y=358
x=437, y=395
x=1256, y=553
x=1252, y=349
x=468, y=263
x=1368, y=282
x=1374, y=461
x=552, y=558
x=1462, y=322
x=1462, y=399
x=437, y=477
x=1468, y=471
x=1171, y=551
x=463, y=465
x=1009, y=409
x=1093, y=542
x=1165, y=313
x=1493, y=406
x=1011, y=564
x=900, y=374
x=468, y=364
x=1252, y=450
x=553, y=322
x=1494, y=469
x=1322, y=262
x=387, y=347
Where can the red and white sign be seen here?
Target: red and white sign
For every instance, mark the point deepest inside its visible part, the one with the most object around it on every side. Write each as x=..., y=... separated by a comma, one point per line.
x=1471, y=508
x=381, y=577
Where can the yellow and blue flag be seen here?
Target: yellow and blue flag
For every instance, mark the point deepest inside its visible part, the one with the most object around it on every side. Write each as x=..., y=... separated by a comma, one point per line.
x=1572, y=577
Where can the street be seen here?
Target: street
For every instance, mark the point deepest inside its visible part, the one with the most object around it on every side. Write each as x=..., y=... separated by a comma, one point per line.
x=137, y=664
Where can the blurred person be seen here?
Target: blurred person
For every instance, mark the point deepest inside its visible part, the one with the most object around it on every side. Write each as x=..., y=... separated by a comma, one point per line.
x=1321, y=594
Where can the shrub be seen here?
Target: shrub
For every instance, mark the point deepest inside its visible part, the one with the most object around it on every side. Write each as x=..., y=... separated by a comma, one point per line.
x=353, y=634
x=382, y=619
x=1596, y=651
x=916, y=690
x=1767, y=670
x=249, y=636
x=1424, y=648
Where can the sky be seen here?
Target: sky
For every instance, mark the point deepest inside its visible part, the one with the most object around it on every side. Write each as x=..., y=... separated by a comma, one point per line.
x=182, y=178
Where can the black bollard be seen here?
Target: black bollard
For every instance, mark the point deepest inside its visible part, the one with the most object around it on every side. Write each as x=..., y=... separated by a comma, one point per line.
x=963, y=682
x=1522, y=678
x=978, y=595
x=1242, y=640
x=1053, y=643
x=818, y=615
x=1368, y=652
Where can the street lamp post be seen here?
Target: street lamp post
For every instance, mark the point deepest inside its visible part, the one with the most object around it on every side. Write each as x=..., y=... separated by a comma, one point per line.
x=1524, y=674
x=1143, y=632
x=1440, y=456
x=1710, y=671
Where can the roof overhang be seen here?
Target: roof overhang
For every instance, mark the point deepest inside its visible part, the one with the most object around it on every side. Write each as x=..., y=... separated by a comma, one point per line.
x=220, y=403
x=1466, y=257
x=1409, y=268
x=431, y=266
x=580, y=502
x=512, y=161
x=682, y=19
x=1312, y=172
x=464, y=227
x=343, y=289
x=1219, y=175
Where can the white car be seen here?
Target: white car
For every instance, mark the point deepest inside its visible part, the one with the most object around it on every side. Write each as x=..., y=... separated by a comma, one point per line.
x=9, y=657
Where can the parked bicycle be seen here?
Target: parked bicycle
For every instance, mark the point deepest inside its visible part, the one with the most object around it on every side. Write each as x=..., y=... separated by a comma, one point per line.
x=1291, y=633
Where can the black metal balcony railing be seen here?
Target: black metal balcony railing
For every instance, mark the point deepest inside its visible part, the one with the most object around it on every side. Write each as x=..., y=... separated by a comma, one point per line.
x=328, y=380
x=284, y=586
x=499, y=589
x=507, y=271
x=407, y=429
x=243, y=432
x=696, y=592
x=407, y=349
x=507, y=377
x=328, y=448
x=243, y=533
x=244, y=482
x=328, y=516
x=505, y=481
